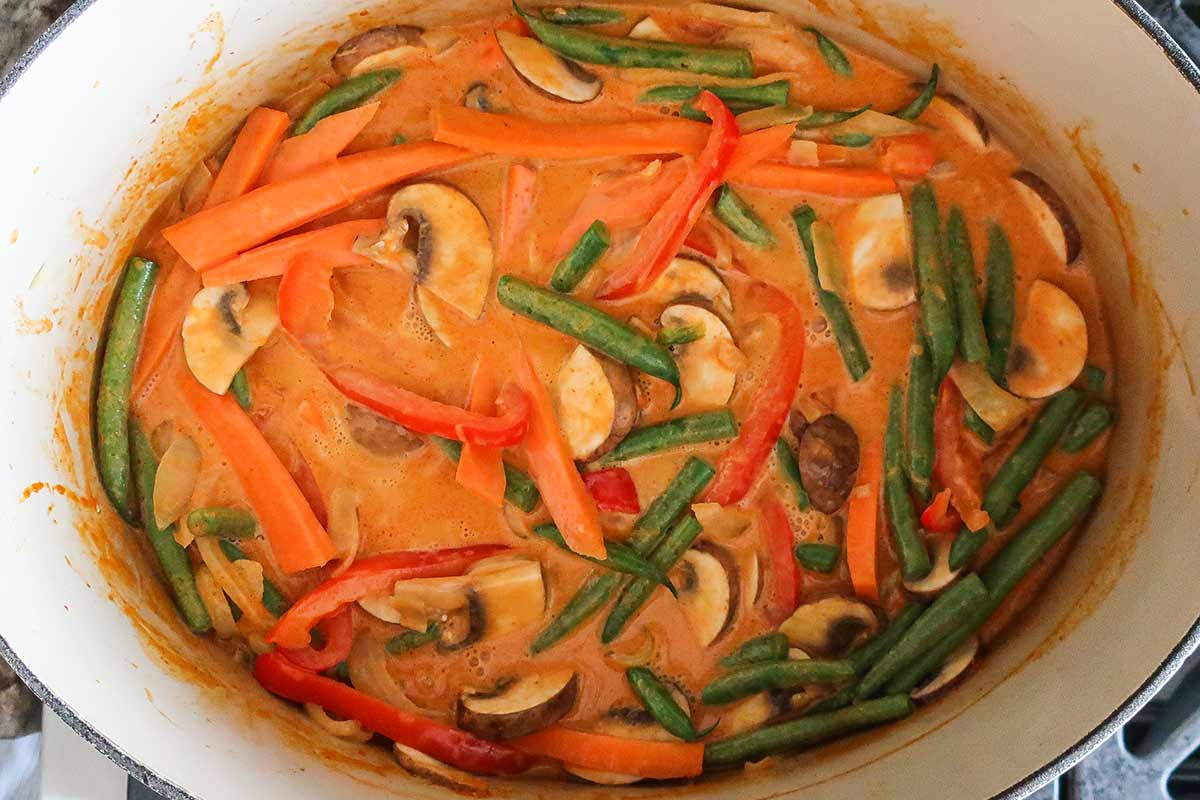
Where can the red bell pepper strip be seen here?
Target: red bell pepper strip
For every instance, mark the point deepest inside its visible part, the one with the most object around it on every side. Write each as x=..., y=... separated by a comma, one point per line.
x=450, y=745
x=375, y=575
x=785, y=587
x=338, y=631
x=744, y=460
x=938, y=516
x=908, y=156
x=667, y=230
x=955, y=466
x=423, y=415
x=613, y=490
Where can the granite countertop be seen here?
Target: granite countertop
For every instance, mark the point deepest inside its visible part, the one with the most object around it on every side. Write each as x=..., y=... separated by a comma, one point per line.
x=22, y=21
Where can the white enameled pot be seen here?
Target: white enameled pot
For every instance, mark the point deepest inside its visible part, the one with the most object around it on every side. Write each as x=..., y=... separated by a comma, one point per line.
x=98, y=124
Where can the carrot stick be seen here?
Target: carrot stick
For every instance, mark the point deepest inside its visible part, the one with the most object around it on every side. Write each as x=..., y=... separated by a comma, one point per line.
x=321, y=145
x=305, y=297
x=528, y=138
x=170, y=304
x=220, y=233
x=334, y=244
x=862, y=525
x=518, y=206
x=759, y=146
x=264, y=129
x=571, y=505
x=481, y=469
x=640, y=757
x=296, y=537
x=831, y=181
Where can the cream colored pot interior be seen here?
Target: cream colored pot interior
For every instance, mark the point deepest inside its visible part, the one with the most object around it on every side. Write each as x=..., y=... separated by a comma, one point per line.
x=103, y=124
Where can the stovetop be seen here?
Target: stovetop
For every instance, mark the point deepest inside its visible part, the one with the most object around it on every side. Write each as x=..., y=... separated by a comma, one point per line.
x=1156, y=756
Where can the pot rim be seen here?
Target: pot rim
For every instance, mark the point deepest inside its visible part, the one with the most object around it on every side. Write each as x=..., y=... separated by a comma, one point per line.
x=1023, y=788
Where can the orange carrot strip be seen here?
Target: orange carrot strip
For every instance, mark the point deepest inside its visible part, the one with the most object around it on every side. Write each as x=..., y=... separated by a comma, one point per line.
x=481, y=469
x=263, y=131
x=296, y=537
x=321, y=145
x=646, y=759
x=831, y=181
x=220, y=233
x=862, y=524
x=334, y=244
x=760, y=146
x=171, y=300
x=528, y=138
x=305, y=297
x=908, y=156
x=570, y=503
x=518, y=206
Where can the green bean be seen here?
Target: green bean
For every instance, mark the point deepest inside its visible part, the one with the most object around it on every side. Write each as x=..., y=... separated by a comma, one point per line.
x=922, y=396
x=581, y=15
x=824, y=118
x=228, y=523
x=638, y=590
x=173, y=558
x=399, y=138
x=647, y=531
x=680, y=334
x=348, y=94
x=908, y=678
x=707, y=426
x=972, y=338
x=121, y=348
x=1000, y=306
x=942, y=618
x=806, y=731
x=411, y=640
x=768, y=647
x=586, y=253
x=818, y=557
x=832, y=702
x=967, y=543
x=835, y=59
x=621, y=558
x=662, y=706
x=272, y=598
x=790, y=469
x=869, y=654
x=850, y=344
x=1006, y=520
x=1093, y=379
x=620, y=51
x=914, y=557
x=519, y=488
x=977, y=426
x=853, y=139
x=921, y=102
x=745, y=98
x=590, y=326
x=744, y=221
x=767, y=675
x=240, y=389
x=934, y=292
x=1094, y=420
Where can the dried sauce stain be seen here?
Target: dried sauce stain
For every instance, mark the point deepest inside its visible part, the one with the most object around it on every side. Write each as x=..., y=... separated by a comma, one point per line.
x=83, y=501
x=30, y=326
x=214, y=24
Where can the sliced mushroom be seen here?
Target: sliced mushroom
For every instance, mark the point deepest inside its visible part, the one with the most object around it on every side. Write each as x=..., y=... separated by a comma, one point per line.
x=754, y=712
x=648, y=30
x=831, y=627
x=415, y=602
x=828, y=459
x=462, y=628
x=688, y=280
x=941, y=576
x=223, y=328
x=381, y=436
x=546, y=70
x=878, y=254
x=709, y=366
x=510, y=595
x=377, y=48
x=414, y=762
x=438, y=235
x=1051, y=213
x=962, y=119
x=707, y=581
x=597, y=403
x=1051, y=344
x=953, y=670
x=520, y=706
x=478, y=96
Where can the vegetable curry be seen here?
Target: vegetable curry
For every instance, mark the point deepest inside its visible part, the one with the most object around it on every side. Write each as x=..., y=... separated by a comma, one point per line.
x=637, y=392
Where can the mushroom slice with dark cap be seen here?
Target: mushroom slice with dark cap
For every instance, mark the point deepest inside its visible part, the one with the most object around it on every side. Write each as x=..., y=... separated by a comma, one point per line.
x=830, y=627
x=1051, y=213
x=518, y=706
x=877, y=252
x=546, y=70
x=386, y=46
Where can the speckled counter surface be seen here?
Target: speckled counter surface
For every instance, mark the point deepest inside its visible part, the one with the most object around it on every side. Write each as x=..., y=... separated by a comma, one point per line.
x=22, y=21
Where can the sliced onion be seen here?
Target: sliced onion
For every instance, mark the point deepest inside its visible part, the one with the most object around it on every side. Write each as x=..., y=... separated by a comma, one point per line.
x=635, y=651
x=803, y=153
x=341, y=728
x=723, y=522
x=183, y=534
x=195, y=188
x=343, y=526
x=160, y=438
x=258, y=644
x=367, y=664
x=249, y=575
x=231, y=580
x=769, y=117
x=215, y=601
x=999, y=409
x=175, y=479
